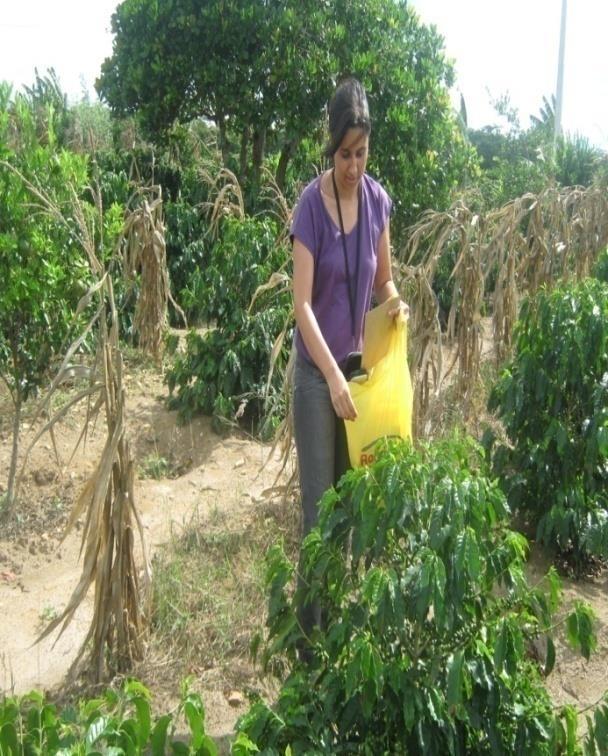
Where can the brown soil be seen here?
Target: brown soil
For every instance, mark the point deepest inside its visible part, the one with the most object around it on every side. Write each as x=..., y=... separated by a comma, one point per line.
x=208, y=473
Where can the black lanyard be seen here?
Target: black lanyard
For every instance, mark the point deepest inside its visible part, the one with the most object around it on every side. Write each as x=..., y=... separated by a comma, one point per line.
x=352, y=291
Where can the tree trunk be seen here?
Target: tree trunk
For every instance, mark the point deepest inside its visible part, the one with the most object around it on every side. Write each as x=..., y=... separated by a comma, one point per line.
x=259, y=145
x=286, y=154
x=243, y=155
x=224, y=146
x=10, y=493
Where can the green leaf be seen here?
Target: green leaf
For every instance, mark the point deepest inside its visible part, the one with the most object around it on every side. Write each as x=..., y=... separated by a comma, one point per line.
x=473, y=561
x=455, y=678
x=600, y=729
x=194, y=713
x=96, y=729
x=158, y=738
x=143, y=721
x=550, y=657
x=243, y=746
x=8, y=738
x=580, y=628
x=500, y=649
x=207, y=747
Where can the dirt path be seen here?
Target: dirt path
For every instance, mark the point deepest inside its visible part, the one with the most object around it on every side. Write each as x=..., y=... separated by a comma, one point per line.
x=38, y=574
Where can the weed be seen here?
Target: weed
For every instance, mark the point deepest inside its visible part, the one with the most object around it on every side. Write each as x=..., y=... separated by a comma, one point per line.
x=155, y=466
x=47, y=614
x=208, y=587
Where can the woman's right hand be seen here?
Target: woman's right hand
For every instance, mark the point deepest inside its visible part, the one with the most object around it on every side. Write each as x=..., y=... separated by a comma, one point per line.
x=340, y=396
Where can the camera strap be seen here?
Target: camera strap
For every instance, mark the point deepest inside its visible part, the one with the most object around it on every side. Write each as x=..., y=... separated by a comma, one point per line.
x=352, y=290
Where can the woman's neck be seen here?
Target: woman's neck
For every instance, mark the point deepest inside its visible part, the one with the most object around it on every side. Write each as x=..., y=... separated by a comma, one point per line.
x=345, y=193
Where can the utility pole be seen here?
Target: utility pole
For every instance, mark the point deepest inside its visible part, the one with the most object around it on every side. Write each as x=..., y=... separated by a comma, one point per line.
x=559, y=94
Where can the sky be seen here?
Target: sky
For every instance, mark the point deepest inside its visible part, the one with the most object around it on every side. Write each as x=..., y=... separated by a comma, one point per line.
x=498, y=46
x=511, y=46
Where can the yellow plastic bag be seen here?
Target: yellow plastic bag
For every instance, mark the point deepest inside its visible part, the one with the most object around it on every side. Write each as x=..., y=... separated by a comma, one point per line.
x=383, y=401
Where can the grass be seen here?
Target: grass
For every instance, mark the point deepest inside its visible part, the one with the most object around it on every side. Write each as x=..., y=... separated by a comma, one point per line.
x=155, y=466
x=47, y=614
x=209, y=599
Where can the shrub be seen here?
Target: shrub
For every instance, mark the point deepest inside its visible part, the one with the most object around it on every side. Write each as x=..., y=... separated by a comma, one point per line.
x=118, y=722
x=427, y=617
x=227, y=368
x=553, y=401
x=600, y=269
x=42, y=268
x=188, y=246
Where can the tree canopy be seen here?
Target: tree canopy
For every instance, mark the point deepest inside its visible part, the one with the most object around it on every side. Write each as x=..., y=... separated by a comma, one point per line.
x=263, y=73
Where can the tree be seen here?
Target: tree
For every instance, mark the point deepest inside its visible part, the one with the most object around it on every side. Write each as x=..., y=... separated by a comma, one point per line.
x=263, y=73
x=545, y=120
x=236, y=63
x=521, y=160
x=40, y=268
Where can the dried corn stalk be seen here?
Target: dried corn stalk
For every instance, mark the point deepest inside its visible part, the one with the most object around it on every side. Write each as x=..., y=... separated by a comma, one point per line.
x=142, y=242
x=275, y=204
x=425, y=352
x=533, y=241
x=116, y=636
x=228, y=197
x=464, y=319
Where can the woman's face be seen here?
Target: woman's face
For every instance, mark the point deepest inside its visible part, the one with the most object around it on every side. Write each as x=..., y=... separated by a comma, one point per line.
x=350, y=160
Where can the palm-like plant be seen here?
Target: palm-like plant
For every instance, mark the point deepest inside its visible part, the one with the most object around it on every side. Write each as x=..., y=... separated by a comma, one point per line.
x=545, y=120
x=576, y=161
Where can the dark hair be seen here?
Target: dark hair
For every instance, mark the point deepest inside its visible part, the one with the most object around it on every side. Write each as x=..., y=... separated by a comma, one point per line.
x=348, y=109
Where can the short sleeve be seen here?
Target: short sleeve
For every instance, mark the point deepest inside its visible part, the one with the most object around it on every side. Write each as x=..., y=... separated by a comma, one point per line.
x=386, y=205
x=304, y=223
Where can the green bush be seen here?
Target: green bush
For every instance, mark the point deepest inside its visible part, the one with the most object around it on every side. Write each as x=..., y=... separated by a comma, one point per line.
x=118, y=722
x=553, y=401
x=227, y=368
x=600, y=269
x=427, y=619
x=43, y=268
x=188, y=250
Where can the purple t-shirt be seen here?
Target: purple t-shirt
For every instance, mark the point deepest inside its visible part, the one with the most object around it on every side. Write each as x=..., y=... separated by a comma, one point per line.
x=314, y=227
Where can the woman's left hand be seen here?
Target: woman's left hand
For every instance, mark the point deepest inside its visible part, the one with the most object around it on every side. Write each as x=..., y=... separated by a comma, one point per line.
x=402, y=307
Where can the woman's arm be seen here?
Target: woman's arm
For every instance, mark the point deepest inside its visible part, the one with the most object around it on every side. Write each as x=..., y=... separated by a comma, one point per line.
x=384, y=286
x=303, y=273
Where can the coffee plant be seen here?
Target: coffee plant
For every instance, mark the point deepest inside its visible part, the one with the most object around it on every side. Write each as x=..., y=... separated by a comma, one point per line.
x=187, y=255
x=227, y=368
x=118, y=722
x=427, y=625
x=600, y=269
x=553, y=401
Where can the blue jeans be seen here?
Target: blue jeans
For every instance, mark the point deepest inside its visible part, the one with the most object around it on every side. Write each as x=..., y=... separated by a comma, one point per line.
x=322, y=455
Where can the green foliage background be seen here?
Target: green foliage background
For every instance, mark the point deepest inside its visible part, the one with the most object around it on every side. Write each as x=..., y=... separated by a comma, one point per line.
x=42, y=268
x=263, y=75
x=553, y=401
x=229, y=364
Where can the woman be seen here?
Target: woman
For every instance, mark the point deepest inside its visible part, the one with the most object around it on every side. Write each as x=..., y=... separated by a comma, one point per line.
x=341, y=256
